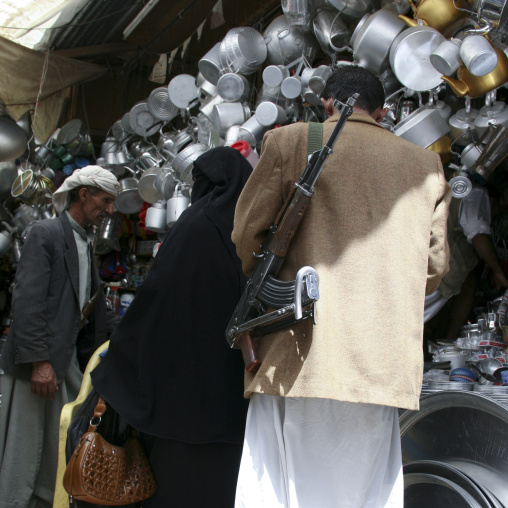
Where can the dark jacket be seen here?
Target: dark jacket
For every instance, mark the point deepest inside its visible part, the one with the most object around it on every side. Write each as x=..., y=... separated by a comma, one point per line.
x=45, y=304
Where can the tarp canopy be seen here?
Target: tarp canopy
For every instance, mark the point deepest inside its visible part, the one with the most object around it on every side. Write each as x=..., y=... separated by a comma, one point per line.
x=35, y=81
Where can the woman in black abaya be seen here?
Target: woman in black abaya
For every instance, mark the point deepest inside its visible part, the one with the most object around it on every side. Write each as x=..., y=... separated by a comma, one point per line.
x=169, y=371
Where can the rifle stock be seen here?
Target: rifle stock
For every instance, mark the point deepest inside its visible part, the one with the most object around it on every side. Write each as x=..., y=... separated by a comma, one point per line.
x=250, y=357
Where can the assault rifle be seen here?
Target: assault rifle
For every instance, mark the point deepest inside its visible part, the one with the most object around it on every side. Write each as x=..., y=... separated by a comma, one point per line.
x=293, y=301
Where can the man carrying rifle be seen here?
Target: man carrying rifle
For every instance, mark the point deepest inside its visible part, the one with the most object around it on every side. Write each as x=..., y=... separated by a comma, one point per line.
x=322, y=428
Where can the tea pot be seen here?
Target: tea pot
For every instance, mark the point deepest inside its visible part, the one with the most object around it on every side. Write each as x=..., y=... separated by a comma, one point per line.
x=476, y=86
x=493, y=113
x=438, y=14
x=462, y=125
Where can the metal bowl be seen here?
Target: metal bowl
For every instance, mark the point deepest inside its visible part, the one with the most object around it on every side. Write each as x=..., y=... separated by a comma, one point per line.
x=452, y=474
x=465, y=429
x=422, y=490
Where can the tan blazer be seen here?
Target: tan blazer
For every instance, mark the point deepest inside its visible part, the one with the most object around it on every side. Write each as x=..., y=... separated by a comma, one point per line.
x=376, y=233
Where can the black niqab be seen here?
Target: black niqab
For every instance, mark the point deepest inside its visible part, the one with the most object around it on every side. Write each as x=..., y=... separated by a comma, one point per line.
x=169, y=371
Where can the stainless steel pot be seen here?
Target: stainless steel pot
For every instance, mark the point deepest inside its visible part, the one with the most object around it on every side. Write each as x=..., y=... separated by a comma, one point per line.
x=317, y=81
x=268, y=114
x=410, y=57
x=446, y=57
x=462, y=125
x=233, y=87
x=242, y=50
x=354, y=9
x=182, y=163
x=291, y=87
x=209, y=65
x=331, y=31
x=165, y=182
x=298, y=13
x=13, y=139
x=146, y=188
x=422, y=127
x=177, y=205
x=373, y=38
x=128, y=200
x=252, y=131
x=227, y=114
x=8, y=173
x=205, y=88
x=492, y=114
x=478, y=55
x=142, y=122
x=108, y=235
x=451, y=427
x=286, y=43
x=274, y=75
x=156, y=217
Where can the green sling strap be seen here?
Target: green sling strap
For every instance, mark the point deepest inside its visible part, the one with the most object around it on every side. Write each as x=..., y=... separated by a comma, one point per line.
x=315, y=137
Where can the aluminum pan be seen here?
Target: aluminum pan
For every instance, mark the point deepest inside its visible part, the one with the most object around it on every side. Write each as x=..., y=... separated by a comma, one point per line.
x=464, y=429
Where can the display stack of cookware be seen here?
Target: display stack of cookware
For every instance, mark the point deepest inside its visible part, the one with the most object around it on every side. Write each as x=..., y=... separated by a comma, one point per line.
x=443, y=64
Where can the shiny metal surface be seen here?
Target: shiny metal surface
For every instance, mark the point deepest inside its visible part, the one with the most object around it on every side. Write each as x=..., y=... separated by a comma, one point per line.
x=464, y=429
x=286, y=43
x=423, y=490
x=13, y=139
x=410, y=57
x=373, y=40
x=233, y=87
x=146, y=188
x=182, y=90
x=423, y=127
x=450, y=473
x=160, y=105
x=141, y=121
x=210, y=66
x=242, y=50
x=187, y=156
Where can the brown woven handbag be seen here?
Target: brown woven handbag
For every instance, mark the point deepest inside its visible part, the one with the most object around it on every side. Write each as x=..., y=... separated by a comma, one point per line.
x=101, y=473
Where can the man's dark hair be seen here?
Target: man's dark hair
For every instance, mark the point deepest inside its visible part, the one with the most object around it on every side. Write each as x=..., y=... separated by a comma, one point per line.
x=74, y=193
x=347, y=80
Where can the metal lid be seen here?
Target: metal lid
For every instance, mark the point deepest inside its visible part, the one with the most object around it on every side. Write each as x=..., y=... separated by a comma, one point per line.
x=291, y=87
x=233, y=87
x=141, y=121
x=160, y=105
x=182, y=90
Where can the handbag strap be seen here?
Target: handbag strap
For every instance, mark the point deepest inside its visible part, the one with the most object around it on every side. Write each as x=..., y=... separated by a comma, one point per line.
x=314, y=137
x=100, y=409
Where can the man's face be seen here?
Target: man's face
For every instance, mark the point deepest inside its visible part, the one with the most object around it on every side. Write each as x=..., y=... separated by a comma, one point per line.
x=96, y=208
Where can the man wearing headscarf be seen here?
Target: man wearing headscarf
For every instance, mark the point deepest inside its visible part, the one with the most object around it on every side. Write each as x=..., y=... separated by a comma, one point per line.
x=49, y=338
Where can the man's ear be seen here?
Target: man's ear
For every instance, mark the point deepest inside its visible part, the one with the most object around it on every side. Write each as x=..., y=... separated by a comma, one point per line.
x=379, y=114
x=328, y=104
x=83, y=194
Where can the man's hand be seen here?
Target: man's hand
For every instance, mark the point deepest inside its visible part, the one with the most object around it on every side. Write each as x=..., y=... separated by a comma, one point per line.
x=43, y=381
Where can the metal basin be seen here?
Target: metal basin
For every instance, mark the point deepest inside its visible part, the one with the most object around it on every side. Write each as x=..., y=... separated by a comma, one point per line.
x=423, y=490
x=464, y=429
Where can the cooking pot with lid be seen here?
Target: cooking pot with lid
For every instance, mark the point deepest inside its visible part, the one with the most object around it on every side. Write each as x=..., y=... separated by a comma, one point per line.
x=410, y=57
x=423, y=127
x=373, y=38
x=156, y=219
x=286, y=43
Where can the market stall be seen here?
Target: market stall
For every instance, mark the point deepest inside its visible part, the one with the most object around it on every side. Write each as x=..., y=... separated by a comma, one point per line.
x=444, y=67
